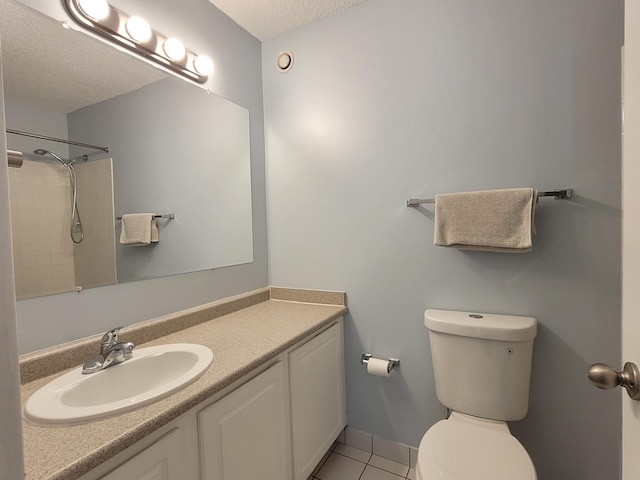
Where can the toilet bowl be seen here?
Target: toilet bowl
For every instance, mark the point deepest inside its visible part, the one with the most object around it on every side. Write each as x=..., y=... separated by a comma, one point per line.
x=465, y=447
x=482, y=369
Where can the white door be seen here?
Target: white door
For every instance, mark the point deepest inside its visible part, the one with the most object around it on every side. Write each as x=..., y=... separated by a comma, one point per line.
x=631, y=235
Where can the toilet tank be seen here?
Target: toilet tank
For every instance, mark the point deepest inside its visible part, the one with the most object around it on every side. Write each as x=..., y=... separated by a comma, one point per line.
x=482, y=362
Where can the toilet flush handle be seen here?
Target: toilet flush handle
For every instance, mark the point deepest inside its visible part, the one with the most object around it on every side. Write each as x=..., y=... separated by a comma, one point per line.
x=604, y=376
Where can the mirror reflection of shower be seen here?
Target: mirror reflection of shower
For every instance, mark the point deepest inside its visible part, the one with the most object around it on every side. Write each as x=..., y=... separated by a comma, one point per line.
x=75, y=230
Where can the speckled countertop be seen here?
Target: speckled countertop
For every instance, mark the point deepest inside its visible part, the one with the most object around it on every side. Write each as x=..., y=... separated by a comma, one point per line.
x=243, y=332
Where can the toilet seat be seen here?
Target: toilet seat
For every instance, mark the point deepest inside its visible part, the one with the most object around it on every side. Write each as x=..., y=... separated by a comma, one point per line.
x=470, y=448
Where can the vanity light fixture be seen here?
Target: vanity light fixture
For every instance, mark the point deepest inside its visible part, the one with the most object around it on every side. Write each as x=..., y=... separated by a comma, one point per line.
x=135, y=34
x=203, y=65
x=138, y=29
x=174, y=49
x=96, y=9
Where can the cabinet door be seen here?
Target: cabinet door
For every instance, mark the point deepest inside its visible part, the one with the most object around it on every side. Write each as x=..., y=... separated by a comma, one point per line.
x=245, y=435
x=162, y=460
x=317, y=398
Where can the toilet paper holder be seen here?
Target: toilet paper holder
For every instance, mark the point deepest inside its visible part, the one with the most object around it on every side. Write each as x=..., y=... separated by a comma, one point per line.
x=393, y=362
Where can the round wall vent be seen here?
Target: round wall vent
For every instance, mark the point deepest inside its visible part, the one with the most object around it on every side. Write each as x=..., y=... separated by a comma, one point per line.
x=284, y=62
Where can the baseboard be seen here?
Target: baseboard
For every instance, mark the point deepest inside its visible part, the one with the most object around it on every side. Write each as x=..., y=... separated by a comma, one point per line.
x=368, y=442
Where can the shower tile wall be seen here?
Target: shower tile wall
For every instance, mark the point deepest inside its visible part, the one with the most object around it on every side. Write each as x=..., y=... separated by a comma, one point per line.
x=40, y=211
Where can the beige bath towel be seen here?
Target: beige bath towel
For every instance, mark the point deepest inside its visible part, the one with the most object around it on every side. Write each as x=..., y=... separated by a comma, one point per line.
x=139, y=229
x=492, y=220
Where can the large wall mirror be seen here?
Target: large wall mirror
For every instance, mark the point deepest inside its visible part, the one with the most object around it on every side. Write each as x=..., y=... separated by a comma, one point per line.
x=174, y=150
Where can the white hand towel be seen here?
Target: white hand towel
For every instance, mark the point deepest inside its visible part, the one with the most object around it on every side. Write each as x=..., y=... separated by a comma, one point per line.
x=155, y=234
x=491, y=220
x=139, y=229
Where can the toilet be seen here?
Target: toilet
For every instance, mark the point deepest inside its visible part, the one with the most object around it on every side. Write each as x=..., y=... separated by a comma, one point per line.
x=482, y=368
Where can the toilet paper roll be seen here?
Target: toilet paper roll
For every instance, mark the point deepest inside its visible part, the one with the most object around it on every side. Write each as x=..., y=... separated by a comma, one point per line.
x=377, y=366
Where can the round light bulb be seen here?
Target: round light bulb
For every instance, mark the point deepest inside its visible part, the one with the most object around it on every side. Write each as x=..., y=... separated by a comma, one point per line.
x=174, y=49
x=138, y=29
x=95, y=9
x=203, y=65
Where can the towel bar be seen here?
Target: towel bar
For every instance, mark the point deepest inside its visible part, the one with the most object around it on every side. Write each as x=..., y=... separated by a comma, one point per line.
x=170, y=216
x=557, y=194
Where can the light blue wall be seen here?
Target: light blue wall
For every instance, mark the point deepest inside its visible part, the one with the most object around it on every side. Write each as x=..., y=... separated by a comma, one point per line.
x=176, y=149
x=24, y=117
x=203, y=28
x=392, y=100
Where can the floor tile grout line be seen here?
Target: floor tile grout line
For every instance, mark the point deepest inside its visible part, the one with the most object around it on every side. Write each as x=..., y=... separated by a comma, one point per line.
x=392, y=473
x=382, y=470
x=367, y=463
x=388, y=471
x=371, y=453
x=324, y=460
x=351, y=458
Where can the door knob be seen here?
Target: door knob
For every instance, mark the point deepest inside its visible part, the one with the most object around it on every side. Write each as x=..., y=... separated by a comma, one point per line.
x=604, y=376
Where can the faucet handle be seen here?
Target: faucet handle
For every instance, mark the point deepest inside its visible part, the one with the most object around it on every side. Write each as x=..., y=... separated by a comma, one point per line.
x=127, y=350
x=110, y=338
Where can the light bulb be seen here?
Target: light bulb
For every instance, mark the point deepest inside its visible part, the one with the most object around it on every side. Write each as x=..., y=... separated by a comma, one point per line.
x=95, y=9
x=174, y=49
x=138, y=29
x=203, y=65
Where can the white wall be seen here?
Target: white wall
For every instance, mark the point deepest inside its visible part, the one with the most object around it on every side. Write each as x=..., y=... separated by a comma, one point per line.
x=392, y=100
x=237, y=77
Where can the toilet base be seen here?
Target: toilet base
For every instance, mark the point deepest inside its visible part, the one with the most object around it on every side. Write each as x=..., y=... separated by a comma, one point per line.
x=470, y=448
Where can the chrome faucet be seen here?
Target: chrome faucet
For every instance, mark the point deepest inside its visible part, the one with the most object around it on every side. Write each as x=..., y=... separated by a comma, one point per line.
x=112, y=352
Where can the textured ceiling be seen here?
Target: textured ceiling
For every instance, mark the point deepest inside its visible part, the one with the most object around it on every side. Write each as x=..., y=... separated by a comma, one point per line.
x=267, y=18
x=60, y=69
x=36, y=71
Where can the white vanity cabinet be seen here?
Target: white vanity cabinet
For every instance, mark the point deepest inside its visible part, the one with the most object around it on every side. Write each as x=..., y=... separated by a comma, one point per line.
x=318, y=411
x=275, y=425
x=246, y=434
x=162, y=460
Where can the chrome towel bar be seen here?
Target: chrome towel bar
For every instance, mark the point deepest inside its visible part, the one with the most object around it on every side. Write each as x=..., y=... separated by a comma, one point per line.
x=557, y=194
x=170, y=216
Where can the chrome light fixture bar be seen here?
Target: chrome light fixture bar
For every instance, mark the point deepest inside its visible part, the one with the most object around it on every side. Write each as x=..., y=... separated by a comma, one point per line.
x=135, y=34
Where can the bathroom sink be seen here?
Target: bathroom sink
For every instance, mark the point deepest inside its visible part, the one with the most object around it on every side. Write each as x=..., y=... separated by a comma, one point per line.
x=153, y=373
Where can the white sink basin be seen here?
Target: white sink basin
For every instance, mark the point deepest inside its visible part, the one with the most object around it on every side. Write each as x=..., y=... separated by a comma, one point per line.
x=152, y=373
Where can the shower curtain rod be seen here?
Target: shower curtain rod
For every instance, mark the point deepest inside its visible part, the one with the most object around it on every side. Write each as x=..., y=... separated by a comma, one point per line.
x=59, y=140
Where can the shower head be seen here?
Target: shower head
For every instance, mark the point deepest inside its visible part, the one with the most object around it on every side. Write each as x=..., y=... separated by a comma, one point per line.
x=76, y=223
x=41, y=151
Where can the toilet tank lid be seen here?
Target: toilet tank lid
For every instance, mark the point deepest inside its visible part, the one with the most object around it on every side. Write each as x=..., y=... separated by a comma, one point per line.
x=489, y=326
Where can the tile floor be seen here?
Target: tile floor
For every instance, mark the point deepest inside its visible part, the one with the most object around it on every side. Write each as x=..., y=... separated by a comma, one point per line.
x=343, y=462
